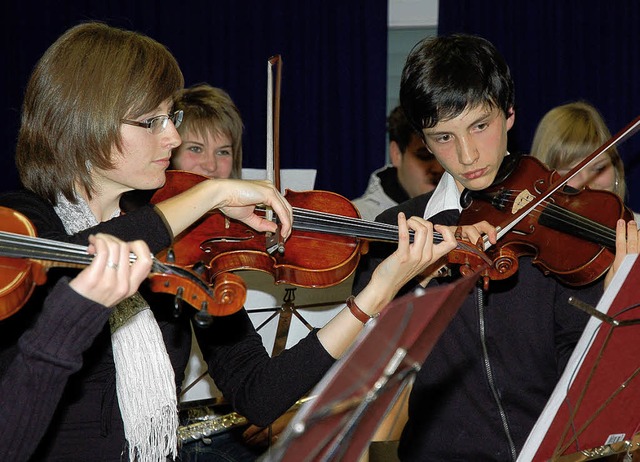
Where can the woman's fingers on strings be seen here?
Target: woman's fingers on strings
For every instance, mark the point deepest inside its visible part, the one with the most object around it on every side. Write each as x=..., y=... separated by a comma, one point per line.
x=246, y=194
x=141, y=266
x=284, y=210
x=627, y=239
x=627, y=242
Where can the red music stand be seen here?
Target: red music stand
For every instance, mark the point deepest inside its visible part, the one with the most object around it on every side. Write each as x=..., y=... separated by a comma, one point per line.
x=352, y=398
x=594, y=411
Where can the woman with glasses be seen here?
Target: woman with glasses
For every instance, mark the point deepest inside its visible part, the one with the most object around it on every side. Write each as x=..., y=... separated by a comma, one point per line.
x=97, y=121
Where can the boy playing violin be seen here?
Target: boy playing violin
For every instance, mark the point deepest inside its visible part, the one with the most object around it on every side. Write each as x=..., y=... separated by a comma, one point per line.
x=481, y=389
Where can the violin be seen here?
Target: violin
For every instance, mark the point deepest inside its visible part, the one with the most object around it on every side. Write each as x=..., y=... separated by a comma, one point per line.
x=25, y=259
x=323, y=250
x=569, y=233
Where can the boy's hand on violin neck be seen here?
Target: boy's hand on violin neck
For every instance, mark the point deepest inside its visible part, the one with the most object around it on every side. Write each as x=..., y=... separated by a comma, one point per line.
x=627, y=242
x=476, y=233
x=411, y=259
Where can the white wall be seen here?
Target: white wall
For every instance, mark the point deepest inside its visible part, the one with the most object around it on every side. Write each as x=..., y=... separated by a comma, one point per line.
x=413, y=13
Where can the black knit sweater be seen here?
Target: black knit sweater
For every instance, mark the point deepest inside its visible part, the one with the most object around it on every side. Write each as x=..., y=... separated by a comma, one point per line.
x=61, y=375
x=480, y=391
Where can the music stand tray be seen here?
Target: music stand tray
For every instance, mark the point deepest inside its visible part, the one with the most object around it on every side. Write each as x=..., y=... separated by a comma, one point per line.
x=594, y=410
x=352, y=398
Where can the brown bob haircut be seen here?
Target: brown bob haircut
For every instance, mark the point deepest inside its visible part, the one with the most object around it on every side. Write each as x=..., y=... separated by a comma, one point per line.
x=85, y=83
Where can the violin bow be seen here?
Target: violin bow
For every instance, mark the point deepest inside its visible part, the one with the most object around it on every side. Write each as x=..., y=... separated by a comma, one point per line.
x=274, y=240
x=273, y=120
x=527, y=205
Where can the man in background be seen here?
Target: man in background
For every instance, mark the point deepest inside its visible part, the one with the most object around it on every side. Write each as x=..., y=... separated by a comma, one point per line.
x=413, y=170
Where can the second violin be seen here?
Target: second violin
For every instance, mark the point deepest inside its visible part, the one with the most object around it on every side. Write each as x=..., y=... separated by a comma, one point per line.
x=571, y=234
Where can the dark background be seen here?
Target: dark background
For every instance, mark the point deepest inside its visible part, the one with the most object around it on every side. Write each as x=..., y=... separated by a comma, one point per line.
x=333, y=77
x=334, y=73
x=560, y=51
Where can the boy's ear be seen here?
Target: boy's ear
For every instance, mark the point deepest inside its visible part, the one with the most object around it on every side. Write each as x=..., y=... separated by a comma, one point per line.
x=511, y=118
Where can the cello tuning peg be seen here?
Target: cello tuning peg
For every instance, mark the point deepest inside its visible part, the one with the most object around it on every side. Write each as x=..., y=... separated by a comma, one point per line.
x=178, y=302
x=202, y=317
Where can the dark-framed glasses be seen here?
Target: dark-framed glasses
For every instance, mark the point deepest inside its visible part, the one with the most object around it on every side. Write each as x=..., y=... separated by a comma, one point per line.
x=157, y=124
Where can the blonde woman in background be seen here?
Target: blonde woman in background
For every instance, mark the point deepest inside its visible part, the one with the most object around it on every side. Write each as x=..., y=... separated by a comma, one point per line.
x=211, y=133
x=569, y=133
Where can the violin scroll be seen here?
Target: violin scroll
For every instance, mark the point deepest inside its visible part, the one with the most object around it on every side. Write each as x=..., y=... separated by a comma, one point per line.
x=224, y=297
x=471, y=259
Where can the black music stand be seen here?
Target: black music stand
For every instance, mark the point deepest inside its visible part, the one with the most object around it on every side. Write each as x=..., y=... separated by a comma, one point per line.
x=352, y=398
x=594, y=411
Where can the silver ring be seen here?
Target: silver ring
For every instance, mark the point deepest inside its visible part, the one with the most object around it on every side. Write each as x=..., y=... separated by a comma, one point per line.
x=111, y=264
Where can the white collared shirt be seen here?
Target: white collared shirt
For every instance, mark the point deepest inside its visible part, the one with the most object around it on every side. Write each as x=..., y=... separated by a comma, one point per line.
x=445, y=197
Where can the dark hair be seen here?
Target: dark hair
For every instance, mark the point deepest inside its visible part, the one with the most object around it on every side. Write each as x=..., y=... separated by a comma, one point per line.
x=445, y=75
x=85, y=83
x=399, y=128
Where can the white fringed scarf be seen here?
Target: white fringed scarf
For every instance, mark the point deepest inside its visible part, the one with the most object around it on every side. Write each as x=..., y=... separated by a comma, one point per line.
x=145, y=382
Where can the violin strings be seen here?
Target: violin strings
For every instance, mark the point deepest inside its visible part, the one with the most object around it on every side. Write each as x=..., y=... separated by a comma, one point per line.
x=22, y=246
x=315, y=221
x=589, y=228
x=18, y=245
x=323, y=222
x=310, y=220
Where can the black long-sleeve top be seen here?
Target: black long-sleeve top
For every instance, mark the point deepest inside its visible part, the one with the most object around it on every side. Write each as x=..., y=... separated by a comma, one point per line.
x=492, y=371
x=86, y=424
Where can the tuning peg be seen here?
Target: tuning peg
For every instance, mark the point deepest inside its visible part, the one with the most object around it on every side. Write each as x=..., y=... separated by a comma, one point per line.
x=171, y=256
x=203, y=318
x=199, y=267
x=178, y=302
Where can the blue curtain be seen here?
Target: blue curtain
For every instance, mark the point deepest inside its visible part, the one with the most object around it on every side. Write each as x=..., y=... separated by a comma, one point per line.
x=561, y=51
x=334, y=56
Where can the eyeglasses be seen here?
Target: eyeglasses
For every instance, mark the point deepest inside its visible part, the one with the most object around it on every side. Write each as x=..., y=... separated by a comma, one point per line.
x=157, y=124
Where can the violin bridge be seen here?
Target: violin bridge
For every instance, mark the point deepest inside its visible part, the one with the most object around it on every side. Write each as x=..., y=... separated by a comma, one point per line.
x=274, y=242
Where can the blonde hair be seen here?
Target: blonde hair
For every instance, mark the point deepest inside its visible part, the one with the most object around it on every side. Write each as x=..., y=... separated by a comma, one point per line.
x=210, y=110
x=569, y=133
